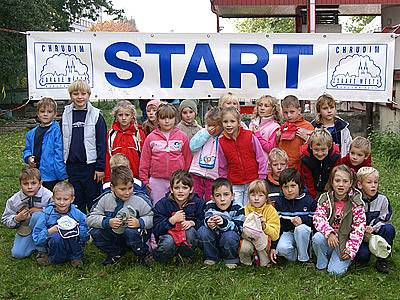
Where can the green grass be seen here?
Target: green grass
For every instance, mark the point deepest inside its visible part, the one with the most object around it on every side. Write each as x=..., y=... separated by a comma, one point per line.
x=24, y=279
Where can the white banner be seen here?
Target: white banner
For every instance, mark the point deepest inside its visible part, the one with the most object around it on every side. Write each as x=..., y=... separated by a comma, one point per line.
x=204, y=66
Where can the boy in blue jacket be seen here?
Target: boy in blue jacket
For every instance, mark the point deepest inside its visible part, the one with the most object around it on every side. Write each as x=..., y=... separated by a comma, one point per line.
x=62, y=228
x=44, y=146
x=177, y=217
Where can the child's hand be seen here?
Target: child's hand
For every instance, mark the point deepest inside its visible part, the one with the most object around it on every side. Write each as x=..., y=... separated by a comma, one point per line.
x=52, y=229
x=332, y=240
x=211, y=130
x=187, y=224
x=211, y=223
x=296, y=221
x=218, y=220
x=23, y=215
x=148, y=188
x=98, y=176
x=34, y=209
x=345, y=256
x=369, y=229
x=272, y=255
x=115, y=223
x=31, y=162
x=303, y=133
x=178, y=217
x=133, y=222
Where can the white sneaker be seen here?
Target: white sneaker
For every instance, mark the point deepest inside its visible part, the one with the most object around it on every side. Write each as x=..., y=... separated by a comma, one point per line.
x=209, y=262
x=231, y=266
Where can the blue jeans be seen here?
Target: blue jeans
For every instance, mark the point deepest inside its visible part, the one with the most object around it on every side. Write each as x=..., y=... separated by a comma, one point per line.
x=61, y=250
x=114, y=244
x=328, y=257
x=293, y=245
x=219, y=244
x=386, y=231
x=240, y=191
x=23, y=245
x=166, y=247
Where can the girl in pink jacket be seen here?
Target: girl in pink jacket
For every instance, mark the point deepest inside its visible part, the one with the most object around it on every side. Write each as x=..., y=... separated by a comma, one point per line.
x=165, y=150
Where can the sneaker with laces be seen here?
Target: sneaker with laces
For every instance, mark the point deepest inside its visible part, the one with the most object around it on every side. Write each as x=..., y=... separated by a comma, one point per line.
x=209, y=262
x=110, y=260
x=42, y=259
x=231, y=266
x=76, y=263
x=382, y=265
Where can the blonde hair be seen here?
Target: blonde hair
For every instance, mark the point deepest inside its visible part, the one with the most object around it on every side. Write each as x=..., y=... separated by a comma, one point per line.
x=29, y=174
x=79, y=85
x=321, y=101
x=64, y=186
x=214, y=115
x=276, y=154
x=225, y=98
x=119, y=159
x=233, y=111
x=123, y=104
x=320, y=136
x=259, y=186
x=46, y=102
x=364, y=172
x=342, y=168
x=363, y=143
x=276, y=108
x=290, y=100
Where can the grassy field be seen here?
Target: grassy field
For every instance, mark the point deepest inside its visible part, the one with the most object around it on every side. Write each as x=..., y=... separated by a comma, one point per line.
x=24, y=279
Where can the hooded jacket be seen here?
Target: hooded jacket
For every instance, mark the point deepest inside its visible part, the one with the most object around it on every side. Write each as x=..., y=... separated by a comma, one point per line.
x=265, y=130
x=270, y=217
x=189, y=129
x=366, y=163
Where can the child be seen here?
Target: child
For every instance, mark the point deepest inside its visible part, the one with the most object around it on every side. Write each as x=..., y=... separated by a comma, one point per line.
x=265, y=125
x=337, y=127
x=378, y=213
x=277, y=161
x=340, y=223
x=22, y=212
x=359, y=154
x=165, y=150
x=260, y=205
x=229, y=100
x=317, y=161
x=84, y=137
x=295, y=131
x=204, y=145
x=223, y=222
x=44, y=146
x=120, y=220
x=124, y=137
x=151, y=123
x=240, y=155
x=188, y=123
x=296, y=210
x=177, y=217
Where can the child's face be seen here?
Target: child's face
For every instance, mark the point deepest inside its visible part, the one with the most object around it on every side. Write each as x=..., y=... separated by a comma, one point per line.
x=257, y=199
x=80, y=98
x=291, y=190
x=369, y=185
x=30, y=186
x=62, y=201
x=291, y=113
x=341, y=184
x=151, y=112
x=328, y=113
x=357, y=156
x=231, y=124
x=231, y=103
x=124, y=117
x=181, y=192
x=188, y=115
x=264, y=108
x=319, y=151
x=277, y=166
x=123, y=190
x=213, y=128
x=166, y=124
x=223, y=197
x=46, y=115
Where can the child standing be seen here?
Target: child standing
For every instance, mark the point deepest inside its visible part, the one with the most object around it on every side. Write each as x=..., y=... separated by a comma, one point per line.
x=265, y=125
x=22, y=212
x=177, y=217
x=340, y=222
x=260, y=205
x=378, y=213
x=277, y=161
x=240, y=155
x=44, y=146
x=63, y=244
x=229, y=100
x=151, y=123
x=124, y=137
x=337, y=127
x=295, y=131
x=120, y=220
x=359, y=154
x=165, y=150
x=296, y=210
x=188, y=123
x=317, y=161
x=204, y=145
x=223, y=222
x=84, y=137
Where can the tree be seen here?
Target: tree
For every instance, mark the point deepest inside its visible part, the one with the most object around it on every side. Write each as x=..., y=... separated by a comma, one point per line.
x=265, y=25
x=357, y=23
x=115, y=26
x=39, y=15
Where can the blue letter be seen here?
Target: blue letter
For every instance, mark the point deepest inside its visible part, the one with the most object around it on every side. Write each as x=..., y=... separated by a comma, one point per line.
x=165, y=51
x=111, y=57
x=202, y=51
x=236, y=68
x=292, y=67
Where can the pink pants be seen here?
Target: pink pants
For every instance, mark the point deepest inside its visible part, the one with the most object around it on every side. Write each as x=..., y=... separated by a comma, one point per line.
x=202, y=186
x=159, y=187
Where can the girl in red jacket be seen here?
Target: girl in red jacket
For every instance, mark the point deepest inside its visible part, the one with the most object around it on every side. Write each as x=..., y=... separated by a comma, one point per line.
x=165, y=150
x=124, y=137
